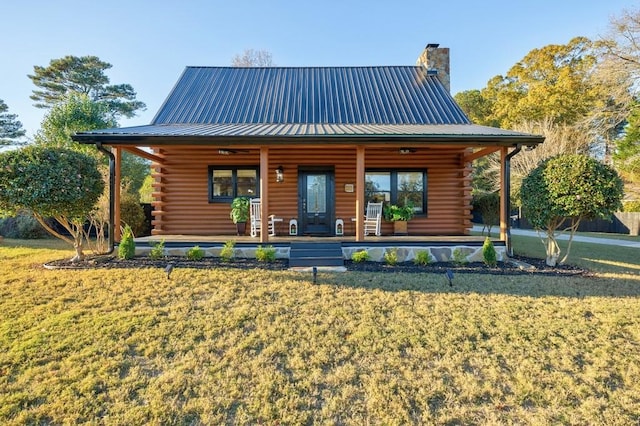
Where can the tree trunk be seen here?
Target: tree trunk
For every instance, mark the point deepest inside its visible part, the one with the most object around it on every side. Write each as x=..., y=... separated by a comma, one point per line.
x=553, y=250
x=78, y=246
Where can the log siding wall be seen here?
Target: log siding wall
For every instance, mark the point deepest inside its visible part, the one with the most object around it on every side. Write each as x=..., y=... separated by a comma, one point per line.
x=181, y=203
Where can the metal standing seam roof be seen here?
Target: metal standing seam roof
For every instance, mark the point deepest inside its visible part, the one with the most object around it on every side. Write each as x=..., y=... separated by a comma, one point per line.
x=327, y=95
x=325, y=102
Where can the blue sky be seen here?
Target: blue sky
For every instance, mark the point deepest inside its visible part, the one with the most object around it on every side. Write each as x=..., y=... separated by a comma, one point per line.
x=150, y=42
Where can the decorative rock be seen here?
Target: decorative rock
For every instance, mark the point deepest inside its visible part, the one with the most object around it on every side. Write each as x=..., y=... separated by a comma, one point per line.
x=441, y=254
x=476, y=256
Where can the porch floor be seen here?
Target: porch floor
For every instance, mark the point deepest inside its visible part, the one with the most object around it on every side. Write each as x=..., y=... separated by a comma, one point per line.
x=386, y=240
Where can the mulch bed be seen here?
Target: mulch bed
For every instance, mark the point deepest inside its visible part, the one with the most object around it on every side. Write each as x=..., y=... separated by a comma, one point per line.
x=503, y=268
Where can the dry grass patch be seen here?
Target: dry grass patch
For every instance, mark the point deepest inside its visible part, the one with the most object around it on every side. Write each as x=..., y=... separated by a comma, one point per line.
x=245, y=347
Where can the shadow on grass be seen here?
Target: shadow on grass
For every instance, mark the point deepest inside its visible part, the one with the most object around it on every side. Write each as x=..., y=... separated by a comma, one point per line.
x=593, y=257
x=531, y=285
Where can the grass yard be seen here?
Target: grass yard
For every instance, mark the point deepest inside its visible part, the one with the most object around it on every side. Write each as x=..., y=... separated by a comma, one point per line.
x=604, y=259
x=257, y=347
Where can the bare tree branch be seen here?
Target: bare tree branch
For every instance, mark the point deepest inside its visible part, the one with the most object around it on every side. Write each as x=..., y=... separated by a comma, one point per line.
x=253, y=58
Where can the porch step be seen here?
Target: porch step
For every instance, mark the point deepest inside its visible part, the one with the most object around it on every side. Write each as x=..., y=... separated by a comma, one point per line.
x=315, y=254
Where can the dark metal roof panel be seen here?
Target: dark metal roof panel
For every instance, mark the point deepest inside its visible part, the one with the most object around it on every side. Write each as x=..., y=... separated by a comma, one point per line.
x=308, y=130
x=323, y=95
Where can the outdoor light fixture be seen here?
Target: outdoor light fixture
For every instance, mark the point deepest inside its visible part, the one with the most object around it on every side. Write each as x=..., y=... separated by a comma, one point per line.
x=279, y=174
x=407, y=150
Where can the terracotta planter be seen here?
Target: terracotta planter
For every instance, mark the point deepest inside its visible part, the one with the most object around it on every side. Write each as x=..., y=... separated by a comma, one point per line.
x=400, y=227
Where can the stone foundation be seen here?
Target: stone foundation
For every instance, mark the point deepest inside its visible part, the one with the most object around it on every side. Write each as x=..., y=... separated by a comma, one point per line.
x=239, y=252
x=376, y=253
x=437, y=254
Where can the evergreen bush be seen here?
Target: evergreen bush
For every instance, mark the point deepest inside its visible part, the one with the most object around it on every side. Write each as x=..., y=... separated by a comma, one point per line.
x=195, y=253
x=423, y=258
x=228, y=251
x=157, y=250
x=360, y=256
x=265, y=254
x=391, y=256
x=127, y=246
x=489, y=253
x=458, y=257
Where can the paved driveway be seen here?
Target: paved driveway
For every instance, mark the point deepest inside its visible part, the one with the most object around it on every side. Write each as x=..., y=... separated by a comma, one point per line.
x=594, y=240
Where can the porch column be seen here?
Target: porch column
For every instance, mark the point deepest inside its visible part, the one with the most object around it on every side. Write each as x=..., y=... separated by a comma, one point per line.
x=264, y=194
x=504, y=194
x=359, y=193
x=117, y=153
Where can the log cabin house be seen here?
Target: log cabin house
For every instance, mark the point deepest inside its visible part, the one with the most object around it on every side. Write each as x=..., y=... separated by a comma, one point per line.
x=315, y=144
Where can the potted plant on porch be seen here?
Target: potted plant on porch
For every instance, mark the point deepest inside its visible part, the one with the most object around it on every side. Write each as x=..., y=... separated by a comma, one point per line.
x=399, y=215
x=240, y=213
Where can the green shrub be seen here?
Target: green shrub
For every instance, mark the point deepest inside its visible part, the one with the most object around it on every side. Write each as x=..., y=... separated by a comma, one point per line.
x=195, y=253
x=228, y=251
x=631, y=206
x=127, y=246
x=391, y=256
x=489, y=253
x=488, y=205
x=23, y=227
x=265, y=254
x=157, y=250
x=423, y=258
x=360, y=256
x=458, y=257
x=132, y=213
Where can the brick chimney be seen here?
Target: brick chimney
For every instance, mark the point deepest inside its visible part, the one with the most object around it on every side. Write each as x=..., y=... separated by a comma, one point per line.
x=436, y=59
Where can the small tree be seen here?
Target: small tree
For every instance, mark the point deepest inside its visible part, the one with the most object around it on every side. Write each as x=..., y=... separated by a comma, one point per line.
x=565, y=189
x=488, y=205
x=58, y=183
x=76, y=113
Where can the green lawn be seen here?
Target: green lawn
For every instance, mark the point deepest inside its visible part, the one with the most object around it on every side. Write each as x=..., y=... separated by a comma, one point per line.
x=595, y=257
x=257, y=347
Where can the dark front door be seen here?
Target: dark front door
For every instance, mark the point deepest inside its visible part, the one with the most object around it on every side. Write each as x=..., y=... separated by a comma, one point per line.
x=316, y=207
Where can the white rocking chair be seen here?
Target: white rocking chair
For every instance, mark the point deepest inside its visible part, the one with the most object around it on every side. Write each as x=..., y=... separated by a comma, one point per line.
x=373, y=218
x=256, y=222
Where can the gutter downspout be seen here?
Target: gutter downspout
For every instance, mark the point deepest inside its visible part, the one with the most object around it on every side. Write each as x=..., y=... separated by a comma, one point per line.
x=507, y=195
x=112, y=206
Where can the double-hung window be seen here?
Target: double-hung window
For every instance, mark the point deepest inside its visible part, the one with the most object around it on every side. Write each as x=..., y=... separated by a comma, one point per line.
x=227, y=183
x=400, y=187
